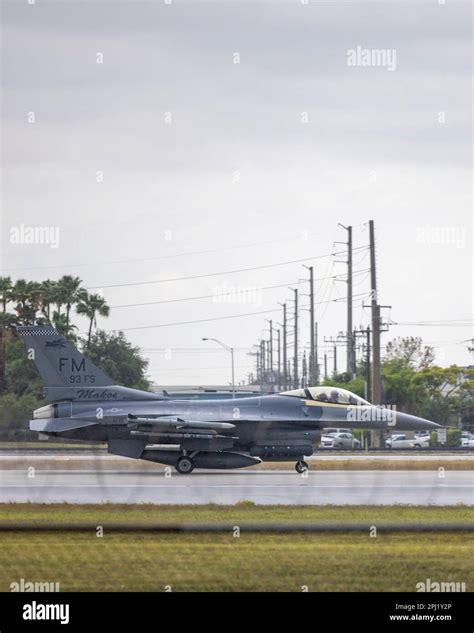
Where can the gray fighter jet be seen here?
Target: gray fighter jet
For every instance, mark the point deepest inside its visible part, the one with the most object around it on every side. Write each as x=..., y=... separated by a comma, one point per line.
x=189, y=434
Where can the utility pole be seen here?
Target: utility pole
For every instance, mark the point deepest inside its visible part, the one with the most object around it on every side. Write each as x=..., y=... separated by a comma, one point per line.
x=312, y=357
x=262, y=360
x=270, y=351
x=304, y=377
x=325, y=366
x=376, y=387
x=295, y=361
x=285, y=367
x=365, y=334
x=376, y=374
x=350, y=339
x=367, y=365
x=316, y=357
x=2, y=359
x=350, y=367
x=339, y=340
x=256, y=354
x=279, y=359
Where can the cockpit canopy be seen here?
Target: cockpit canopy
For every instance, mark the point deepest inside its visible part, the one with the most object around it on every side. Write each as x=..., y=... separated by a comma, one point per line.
x=334, y=395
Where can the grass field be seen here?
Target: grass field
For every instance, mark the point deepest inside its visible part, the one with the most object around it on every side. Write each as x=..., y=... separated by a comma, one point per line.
x=222, y=562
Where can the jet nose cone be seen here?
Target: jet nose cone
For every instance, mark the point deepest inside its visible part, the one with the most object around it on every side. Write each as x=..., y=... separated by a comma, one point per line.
x=407, y=422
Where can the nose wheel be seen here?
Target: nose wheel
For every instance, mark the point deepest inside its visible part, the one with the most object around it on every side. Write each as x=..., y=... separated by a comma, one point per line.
x=185, y=465
x=301, y=467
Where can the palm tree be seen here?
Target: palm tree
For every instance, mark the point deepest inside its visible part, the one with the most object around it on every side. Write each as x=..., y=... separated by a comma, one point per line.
x=60, y=324
x=70, y=292
x=56, y=296
x=47, y=296
x=91, y=305
x=6, y=288
x=7, y=322
x=25, y=295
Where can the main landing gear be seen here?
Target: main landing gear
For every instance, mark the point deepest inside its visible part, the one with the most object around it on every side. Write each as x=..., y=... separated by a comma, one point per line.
x=185, y=465
x=301, y=467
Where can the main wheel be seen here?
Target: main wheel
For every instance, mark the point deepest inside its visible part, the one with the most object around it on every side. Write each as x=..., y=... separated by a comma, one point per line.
x=301, y=467
x=185, y=465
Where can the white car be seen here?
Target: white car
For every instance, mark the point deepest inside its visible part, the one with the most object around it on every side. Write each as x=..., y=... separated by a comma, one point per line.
x=421, y=441
x=422, y=434
x=400, y=440
x=467, y=441
x=331, y=431
x=339, y=440
x=394, y=436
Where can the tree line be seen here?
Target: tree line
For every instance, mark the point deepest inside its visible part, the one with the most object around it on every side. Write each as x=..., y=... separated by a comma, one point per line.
x=415, y=384
x=50, y=302
x=55, y=302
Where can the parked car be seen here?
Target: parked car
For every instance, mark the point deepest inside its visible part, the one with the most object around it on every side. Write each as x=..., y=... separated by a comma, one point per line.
x=402, y=441
x=394, y=436
x=422, y=434
x=467, y=441
x=422, y=441
x=330, y=431
x=339, y=440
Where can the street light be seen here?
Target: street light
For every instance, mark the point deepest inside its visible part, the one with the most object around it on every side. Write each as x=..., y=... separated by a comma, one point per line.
x=231, y=350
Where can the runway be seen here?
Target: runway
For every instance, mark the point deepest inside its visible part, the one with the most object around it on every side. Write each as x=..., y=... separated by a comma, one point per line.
x=343, y=487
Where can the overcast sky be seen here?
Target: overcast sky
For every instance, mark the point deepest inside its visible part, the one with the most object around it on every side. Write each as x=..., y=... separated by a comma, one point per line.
x=215, y=136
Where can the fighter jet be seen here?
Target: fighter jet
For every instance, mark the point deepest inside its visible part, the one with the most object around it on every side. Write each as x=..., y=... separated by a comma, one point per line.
x=187, y=434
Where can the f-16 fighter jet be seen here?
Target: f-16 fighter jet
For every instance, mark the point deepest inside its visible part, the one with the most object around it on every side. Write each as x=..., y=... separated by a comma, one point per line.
x=187, y=434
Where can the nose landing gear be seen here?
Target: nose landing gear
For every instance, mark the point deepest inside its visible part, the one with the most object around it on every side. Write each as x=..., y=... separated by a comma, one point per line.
x=301, y=467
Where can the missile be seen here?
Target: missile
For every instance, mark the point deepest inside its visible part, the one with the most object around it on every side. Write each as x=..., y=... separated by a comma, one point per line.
x=180, y=424
x=179, y=437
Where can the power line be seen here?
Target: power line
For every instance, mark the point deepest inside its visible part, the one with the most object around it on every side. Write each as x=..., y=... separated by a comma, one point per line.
x=216, y=274
x=165, y=369
x=193, y=349
x=231, y=292
x=222, y=318
x=173, y=256
x=448, y=322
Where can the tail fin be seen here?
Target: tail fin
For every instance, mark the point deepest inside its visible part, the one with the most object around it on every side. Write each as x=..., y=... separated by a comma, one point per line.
x=62, y=366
